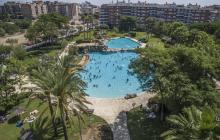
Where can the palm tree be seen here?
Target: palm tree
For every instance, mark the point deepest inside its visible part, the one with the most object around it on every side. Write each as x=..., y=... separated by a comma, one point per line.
x=43, y=79
x=84, y=21
x=41, y=127
x=193, y=124
x=68, y=89
x=90, y=20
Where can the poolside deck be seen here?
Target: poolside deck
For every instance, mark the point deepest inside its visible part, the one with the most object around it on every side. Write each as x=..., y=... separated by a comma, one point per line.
x=119, y=49
x=114, y=111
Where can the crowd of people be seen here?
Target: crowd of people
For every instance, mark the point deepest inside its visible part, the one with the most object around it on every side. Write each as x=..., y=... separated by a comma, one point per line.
x=114, y=66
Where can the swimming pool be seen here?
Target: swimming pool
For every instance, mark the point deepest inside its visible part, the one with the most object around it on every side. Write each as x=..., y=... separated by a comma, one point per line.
x=122, y=43
x=107, y=74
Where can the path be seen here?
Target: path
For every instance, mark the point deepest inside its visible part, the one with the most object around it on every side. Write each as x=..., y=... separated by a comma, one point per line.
x=119, y=49
x=19, y=36
x=120, y=128
x=113, y=111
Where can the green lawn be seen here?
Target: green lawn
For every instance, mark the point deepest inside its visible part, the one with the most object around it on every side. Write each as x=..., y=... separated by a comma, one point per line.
x=9, y=131
x=155, y=42
x=81, y=36
x=140, y=35
x=141, y=128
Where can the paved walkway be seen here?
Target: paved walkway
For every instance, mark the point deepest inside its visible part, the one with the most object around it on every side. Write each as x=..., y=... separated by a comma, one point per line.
x=113, y=111
x=120, y=128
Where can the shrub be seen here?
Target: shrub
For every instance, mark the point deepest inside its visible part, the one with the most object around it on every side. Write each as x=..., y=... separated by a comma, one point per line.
x=2, y=32
x=143, y=40
x=64, y=43
x=19, y=52
x=12, y=41
x=23, y=23
x=132, y=34
x=10, y=28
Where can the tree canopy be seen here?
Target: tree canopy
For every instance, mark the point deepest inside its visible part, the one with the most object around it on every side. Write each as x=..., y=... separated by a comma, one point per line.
x=127, y=23
x=46, y=27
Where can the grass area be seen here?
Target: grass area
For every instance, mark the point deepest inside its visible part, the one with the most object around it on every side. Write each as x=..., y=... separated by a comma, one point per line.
x=140, y=35
x=155, y=42
x=9, y=131
x=81, y=36
x=32, y=58
x=114, y=34
x=142, y=128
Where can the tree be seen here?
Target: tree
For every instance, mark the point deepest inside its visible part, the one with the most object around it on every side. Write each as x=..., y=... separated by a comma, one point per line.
x=202, y=41
x=181, y=76
x=43, y=78
x=9, y=28
x=8, y=97
x=19, y=52
x=41, y=127
x=180, y=34
x=68, y=87
x=23, y=23
x=84, y=22
x=217, y=33
x=150, y=22
x=46, y=27
x=59, y=20
x=193, y=124
x=2, y=32
x=50, y=32
x=62, y=82
x=127, y=23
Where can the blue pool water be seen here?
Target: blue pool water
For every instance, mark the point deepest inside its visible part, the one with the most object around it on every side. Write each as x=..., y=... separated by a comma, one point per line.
x=122, y=43
x=107, y=74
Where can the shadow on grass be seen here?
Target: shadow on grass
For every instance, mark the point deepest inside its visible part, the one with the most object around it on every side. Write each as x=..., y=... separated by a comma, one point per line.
x=143, y=128
x=13, y=119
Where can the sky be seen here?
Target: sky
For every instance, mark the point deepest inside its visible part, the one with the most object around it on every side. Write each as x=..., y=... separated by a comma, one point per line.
x=99, y=2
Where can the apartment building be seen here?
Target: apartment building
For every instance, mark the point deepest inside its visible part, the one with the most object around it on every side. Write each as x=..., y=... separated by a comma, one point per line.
x=13, y=8
x=33, y=10
x=215, y=8
x=71, y=10
x=2, y=9
x=38, y=7
x=110, y=13
x=90, y=9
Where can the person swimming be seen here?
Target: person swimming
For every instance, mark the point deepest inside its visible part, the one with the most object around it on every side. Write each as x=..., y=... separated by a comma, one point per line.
x=127, y=80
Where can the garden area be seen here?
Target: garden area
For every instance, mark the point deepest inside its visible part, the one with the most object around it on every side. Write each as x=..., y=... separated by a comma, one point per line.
x=141, y=127
x=8, y=129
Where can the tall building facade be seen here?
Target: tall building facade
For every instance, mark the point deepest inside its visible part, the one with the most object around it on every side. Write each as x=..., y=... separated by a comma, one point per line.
x=216, y=8
x=70, y=10
x=13, y=8
x=38, y=7
x=90, y=9
x=110, y=13
x=34, y=9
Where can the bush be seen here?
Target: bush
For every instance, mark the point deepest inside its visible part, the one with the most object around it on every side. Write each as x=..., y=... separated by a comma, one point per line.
x=132, y=34
x=64, y=43
x=12, y=41
x=143, y=40
x=19, y=52
x=23, y=23
x=2, y=32
x=82, y=41
x=10, y=28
